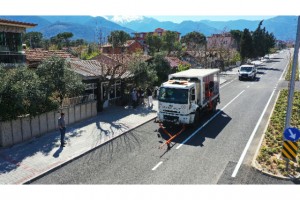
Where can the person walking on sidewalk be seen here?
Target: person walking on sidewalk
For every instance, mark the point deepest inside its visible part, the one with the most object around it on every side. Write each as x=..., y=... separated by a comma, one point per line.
x=149, y=95
x=62, y=129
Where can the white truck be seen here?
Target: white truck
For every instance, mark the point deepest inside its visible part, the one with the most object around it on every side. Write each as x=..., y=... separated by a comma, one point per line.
x=187, y=95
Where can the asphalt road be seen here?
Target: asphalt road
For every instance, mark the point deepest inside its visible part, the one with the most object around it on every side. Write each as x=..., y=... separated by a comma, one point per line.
x=217, y=152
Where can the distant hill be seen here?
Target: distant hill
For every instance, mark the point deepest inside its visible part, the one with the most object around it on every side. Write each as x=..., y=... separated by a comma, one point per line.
x=283, y=27
x=232, y=24
x=190, y=26
x=83, y=27
x=87, y=27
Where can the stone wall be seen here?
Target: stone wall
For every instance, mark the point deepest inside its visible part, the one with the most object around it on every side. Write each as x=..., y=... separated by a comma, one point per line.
x=23, y=129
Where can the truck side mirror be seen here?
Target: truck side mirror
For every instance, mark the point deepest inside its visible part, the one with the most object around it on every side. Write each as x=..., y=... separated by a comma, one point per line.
x=193, y=96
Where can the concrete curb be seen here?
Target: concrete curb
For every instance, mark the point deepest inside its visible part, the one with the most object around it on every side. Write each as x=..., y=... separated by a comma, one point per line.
x=254, y=163
x=81, y=155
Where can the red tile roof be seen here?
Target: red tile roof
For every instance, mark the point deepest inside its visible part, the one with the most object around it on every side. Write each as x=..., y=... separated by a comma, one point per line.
x=87, y=68
x=127, y=43
x=16, y=23
x=174, y=61
x=38, y=55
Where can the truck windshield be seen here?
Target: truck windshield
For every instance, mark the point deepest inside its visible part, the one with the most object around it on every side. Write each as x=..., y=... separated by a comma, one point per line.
x=246, y=69
x=173, y=95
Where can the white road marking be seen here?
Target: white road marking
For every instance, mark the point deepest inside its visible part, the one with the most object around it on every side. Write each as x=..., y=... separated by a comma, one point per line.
x=209, y=120
x=156, y=166
x=255, y=129
x=284, y=71
x=251, y=138
x=227, y=83
x=248, y=86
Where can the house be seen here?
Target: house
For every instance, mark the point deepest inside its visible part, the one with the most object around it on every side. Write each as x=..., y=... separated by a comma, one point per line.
x=174, y=62
x=11, y=49
x=141, y=36
x=116, y=67
x=35, y=56
x=221, y=42
x=279, y=44
x=131, y=46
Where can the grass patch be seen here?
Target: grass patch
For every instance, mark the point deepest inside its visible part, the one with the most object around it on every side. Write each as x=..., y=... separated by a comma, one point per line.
x=289, y=72
x=269, y=156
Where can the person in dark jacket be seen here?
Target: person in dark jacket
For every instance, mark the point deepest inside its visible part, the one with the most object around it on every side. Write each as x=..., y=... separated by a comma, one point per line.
x=62, y=129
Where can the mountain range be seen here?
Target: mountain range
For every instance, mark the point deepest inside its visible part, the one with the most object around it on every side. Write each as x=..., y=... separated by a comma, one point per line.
x=88, y=27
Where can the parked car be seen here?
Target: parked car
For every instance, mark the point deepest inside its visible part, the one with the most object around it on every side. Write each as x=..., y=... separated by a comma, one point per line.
x=247, y=72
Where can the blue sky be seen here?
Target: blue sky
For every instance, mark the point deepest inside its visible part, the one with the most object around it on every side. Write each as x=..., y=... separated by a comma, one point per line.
x=233, y=9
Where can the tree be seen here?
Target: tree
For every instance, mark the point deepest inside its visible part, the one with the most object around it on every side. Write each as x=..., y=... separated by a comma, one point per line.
x=61, y=40
x=161, y=66
x=237, y=36
x=118, y=39
x=21, y=94
x=183, y=67
x=194, y=40
x=59, y=81
x=65, y=38
x=143, y=75
x=246, y=45
x=154, y=43
x=259, y=41
x=270, y=42
x=33, y=39
x=170, y=42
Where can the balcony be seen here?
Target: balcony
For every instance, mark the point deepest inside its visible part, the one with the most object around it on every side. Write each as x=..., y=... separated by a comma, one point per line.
x=12, y=58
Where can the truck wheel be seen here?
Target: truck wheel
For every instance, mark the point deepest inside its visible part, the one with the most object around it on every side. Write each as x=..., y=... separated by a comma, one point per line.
x=214, y=107
x=196, y=119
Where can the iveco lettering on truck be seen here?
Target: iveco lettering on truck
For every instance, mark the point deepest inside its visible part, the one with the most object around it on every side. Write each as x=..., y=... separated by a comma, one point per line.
x=187, y=95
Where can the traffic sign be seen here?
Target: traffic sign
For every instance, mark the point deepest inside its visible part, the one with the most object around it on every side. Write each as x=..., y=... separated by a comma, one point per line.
x=289, y=150
x=292, y=134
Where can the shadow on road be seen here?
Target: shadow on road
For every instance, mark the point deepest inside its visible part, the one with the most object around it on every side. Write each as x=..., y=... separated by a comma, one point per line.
x=199, y=137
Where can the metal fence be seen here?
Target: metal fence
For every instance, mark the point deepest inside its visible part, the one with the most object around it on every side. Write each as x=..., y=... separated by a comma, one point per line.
x=67, y=102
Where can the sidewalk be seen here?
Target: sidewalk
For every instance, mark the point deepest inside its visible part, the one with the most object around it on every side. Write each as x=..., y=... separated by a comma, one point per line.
x=24, y=162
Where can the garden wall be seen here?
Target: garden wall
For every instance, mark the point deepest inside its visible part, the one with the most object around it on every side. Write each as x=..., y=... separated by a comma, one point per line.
x=23, y=129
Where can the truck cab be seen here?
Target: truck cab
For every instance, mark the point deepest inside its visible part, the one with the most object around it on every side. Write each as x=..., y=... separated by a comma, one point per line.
x=187, y=94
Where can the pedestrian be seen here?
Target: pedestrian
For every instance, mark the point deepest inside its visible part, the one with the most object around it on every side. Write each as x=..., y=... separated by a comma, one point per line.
x=134, y=98
x=149, y=95
x=140, y=95
x=62, y=129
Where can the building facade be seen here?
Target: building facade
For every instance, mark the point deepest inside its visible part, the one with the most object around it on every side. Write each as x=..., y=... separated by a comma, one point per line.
x=131, y=46
x=221, y=41
x=11, y=49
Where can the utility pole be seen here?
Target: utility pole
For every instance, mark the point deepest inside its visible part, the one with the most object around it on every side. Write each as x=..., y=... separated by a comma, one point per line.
x=292, y=84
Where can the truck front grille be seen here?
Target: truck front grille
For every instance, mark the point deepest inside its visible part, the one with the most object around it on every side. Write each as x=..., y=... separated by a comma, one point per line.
x=171, y=118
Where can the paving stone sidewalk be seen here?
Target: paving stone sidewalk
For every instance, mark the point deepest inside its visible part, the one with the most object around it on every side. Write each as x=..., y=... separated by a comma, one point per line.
x=24, y=162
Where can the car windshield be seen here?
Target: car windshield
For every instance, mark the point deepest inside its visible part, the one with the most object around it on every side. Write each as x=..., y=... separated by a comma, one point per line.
x=246, y=69
x=173, y=95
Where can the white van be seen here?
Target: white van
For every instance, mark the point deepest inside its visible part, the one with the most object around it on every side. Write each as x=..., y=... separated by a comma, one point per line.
x=247, y=72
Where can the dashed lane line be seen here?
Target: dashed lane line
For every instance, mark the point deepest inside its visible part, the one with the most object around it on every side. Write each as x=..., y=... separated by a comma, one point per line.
x=209, y=120
x=156, y=166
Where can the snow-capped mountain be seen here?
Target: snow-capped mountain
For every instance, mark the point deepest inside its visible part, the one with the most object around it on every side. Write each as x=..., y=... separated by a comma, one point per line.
x=122, y=19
